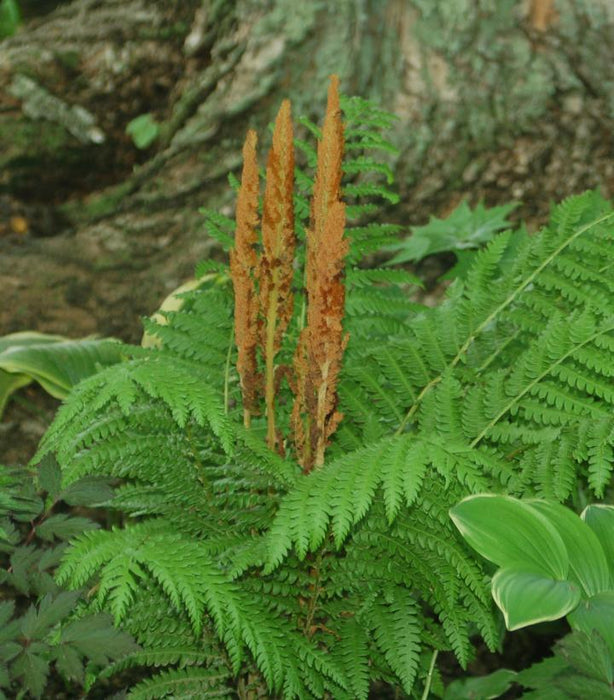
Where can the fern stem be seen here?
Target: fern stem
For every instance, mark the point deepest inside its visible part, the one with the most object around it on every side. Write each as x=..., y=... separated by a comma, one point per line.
x=416, y=405
x=535, y=381
x=493, y=356
x=429, y=676
x=313, y=601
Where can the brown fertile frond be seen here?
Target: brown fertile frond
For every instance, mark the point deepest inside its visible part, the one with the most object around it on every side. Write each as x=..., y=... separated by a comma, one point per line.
x=320, y=351
x=243, y=269
x=277, y=260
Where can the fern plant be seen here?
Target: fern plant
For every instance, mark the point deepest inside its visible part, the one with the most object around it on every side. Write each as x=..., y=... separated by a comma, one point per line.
x=287, y=461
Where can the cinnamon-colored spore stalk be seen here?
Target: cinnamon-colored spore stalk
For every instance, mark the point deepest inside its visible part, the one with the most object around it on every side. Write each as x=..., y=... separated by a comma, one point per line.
x=277, y=260
x=322, y=342
x=243, y=268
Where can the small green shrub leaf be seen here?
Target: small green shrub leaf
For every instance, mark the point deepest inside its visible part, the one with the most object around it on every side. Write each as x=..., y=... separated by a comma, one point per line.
x=587, y=654
x=511, y=533
x=32, y=669
x=63, y=526
x=597, y=613
x=491, y=686
x=144, y=130
x=463, y=229
x=528, y=597
x=50, y=475
x=87, y=491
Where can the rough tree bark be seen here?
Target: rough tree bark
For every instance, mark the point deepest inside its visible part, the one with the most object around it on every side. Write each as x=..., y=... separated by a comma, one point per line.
x=501, y=99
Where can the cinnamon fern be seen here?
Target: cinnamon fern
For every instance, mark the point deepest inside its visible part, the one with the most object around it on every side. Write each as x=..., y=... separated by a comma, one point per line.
x=239, y=568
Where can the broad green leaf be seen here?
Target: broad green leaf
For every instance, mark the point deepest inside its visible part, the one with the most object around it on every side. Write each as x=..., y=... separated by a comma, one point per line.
x=9, y=383
x=587, y=561
x=528, y=597
x=463, y=229
x=55, y=362
x=491, y=686
x=10, y=17
x=597, y=613
x=511, y=533
x=600, y=519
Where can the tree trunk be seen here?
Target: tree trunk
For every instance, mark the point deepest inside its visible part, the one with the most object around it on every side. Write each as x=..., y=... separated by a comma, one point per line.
x=496, y=100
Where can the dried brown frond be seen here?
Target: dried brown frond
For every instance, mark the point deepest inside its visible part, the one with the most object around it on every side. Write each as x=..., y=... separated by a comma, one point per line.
x=277, y=261
x=320, y=351
x=243, y=269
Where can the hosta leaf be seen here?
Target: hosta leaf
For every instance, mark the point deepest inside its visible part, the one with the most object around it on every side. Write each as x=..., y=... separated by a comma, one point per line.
x=9, y=383
x=511, y=533
x=55, y=362
x=587, y=561
x=600, y=518
x=529, y=597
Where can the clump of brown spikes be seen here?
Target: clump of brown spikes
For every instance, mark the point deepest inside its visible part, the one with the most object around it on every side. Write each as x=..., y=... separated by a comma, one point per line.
x=263, y=287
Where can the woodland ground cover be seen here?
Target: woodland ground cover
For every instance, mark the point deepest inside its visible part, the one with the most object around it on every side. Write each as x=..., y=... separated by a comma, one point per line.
x=275, y=467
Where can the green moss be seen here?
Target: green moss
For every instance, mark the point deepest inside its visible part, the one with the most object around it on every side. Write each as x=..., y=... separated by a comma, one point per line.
x=98, y=206
x=24, y=138
x=69, y=59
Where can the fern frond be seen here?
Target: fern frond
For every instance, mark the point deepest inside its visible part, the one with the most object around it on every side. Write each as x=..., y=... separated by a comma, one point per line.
x=184, y=683
x=395, y=618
